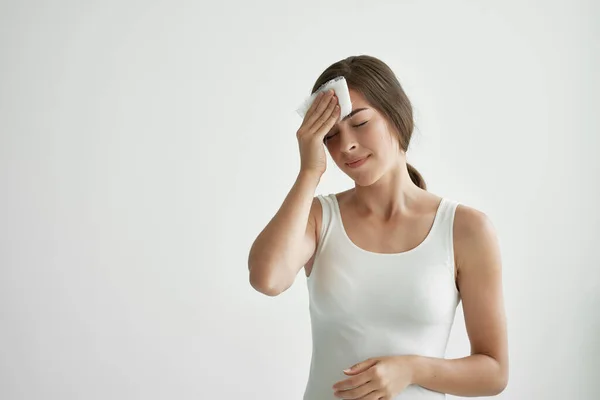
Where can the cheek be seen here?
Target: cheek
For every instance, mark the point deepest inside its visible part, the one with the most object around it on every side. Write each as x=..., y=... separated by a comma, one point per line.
x=332, y=149
x=380, y=141
x=375, y=140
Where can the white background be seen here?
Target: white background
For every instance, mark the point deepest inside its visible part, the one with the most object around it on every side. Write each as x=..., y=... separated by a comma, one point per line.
x=144, y=145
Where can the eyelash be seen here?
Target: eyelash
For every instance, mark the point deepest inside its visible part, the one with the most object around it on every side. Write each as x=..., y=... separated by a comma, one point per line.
x=326, y=138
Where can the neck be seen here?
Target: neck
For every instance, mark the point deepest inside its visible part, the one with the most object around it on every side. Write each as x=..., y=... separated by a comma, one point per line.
x=392, y=195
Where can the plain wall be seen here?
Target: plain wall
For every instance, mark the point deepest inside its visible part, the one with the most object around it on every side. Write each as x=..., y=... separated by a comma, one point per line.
x=144, y=145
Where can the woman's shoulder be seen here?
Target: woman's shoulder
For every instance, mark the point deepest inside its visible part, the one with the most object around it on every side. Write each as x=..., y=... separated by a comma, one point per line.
x=468, y=219
x=470, y=226
x=316, y=209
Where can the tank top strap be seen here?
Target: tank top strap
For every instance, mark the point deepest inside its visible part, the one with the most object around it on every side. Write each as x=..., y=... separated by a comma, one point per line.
x=327, y=216
x=446, y=230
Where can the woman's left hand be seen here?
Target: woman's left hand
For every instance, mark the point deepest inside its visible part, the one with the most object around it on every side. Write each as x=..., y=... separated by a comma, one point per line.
x=376, y=378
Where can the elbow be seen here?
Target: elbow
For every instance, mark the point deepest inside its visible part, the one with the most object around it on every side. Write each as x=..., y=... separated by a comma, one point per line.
x=497, y=376
x=268, y=290
x=497, y=390
x=265, y=285
x=501, y=384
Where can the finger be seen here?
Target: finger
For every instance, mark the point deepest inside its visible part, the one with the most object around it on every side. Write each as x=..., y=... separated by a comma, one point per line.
x=322, y=133
x=324, y=119
x=314, y=105
x=323, y=103
x=353, y=382
x=333, y=119
x=315, y=102
x=310, y=116
x=363, y=365
x=359, y=392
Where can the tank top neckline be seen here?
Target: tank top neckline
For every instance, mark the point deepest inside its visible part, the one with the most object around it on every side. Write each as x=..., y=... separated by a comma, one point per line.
x=436, y=219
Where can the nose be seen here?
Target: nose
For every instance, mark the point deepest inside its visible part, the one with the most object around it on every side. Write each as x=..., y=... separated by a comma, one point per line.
x=347, y=141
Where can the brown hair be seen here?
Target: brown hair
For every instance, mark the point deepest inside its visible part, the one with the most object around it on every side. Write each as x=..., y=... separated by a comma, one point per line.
x=378, y=84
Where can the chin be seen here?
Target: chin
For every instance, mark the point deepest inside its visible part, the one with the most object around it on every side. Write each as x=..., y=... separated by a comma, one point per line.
x=369, y=176
x=364, y=179
x=363, y=184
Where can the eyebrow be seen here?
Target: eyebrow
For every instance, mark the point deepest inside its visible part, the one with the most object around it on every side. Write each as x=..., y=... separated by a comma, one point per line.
x=353, y=112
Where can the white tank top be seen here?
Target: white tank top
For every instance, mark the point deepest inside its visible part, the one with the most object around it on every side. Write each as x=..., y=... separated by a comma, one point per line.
x=365, y=304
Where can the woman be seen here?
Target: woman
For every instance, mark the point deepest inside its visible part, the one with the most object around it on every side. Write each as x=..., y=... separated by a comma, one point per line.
x=387, y=262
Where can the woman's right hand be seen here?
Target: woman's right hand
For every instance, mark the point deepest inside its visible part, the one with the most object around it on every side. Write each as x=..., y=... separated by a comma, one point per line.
x=319, y=119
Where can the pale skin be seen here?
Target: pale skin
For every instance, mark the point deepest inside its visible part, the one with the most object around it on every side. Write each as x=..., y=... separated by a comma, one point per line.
x=387, y=213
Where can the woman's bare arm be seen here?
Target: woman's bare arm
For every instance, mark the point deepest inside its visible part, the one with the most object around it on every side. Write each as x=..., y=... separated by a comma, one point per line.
x=485, y=372
x=288, y=241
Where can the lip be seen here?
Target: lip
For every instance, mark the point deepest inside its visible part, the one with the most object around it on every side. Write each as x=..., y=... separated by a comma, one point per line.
x=358, y=163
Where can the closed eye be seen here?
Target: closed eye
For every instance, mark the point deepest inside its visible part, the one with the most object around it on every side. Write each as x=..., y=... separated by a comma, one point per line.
x=326, y=138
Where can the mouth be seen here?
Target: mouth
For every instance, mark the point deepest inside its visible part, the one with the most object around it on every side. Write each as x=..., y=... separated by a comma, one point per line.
x=358, y=163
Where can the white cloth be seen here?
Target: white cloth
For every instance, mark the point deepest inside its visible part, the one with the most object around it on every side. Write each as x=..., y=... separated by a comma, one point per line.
x=340, y=86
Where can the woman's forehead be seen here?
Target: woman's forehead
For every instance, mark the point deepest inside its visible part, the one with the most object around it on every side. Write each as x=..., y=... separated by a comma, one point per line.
x=357, y=99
